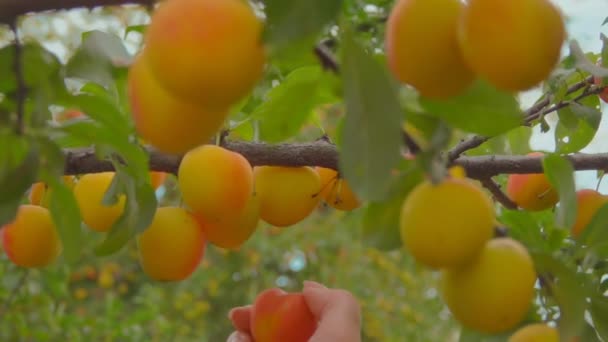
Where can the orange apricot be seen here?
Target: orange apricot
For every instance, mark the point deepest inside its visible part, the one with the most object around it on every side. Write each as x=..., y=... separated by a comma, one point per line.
x=206, y=51
x=157, y=178
x=172, y=247
x=40, y=193
x=588, y=203
x=287, y=194
x=215, y=183
x=31, y=239
x=89, y=193
x=154, y=111
x=336, y=191
x=532, y=192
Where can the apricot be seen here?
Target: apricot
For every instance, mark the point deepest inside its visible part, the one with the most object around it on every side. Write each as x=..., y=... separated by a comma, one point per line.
x=532, y=192
x=336, y=191
x=157, y=178
x=168, y=123
x=215, y=182
x=536, y=332
x=206, y=51
x=280, y=316
x=31, y=239
x=513, y=44
x=588, y=203
x=287, y=194
x=446, y=224
x=89, y=193
x=422, y=47
x=494, y=292
x=172, y=247
x=68, y=114
x=604, y=94
x=236, y=229
x=40, y=192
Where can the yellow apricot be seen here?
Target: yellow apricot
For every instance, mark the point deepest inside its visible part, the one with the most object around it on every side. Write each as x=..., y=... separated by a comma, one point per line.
x=207, y=51
x=532, y=192
x=588, y=203
x=494, y=292
x=233, y=232
x=172, y=246
x=336, y=191
x=89, y=193
x=40, y=193
x=422, y=47
x=536, y=332
x=513, y=44
x=168, y=123
x=31, y=239
x=446, y=224
x=287, y=194
x=215, y=182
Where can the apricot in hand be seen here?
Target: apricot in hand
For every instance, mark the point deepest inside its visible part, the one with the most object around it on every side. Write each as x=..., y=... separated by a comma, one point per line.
x=422, y=47
x=172, y=246
x=446, y=224
x=532, y=192
x=170, y=124
x=31, y=239
x=287, y=194
x=89, y=193
x=279, y=316
x=512, y=44
x=215, y=183
x=206, y=51
x=336, y=191
x=494, y=292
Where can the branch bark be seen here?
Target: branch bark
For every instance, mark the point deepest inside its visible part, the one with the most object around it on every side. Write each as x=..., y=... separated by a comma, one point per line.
x=10, y=9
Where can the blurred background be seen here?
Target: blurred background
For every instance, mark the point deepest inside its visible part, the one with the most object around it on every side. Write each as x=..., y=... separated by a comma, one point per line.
x=110, y=299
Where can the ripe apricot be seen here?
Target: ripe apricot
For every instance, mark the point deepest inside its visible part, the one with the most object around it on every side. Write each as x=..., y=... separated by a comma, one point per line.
x=280, y=316
x=532, y=192
x=336, y=191
x=536, y=332
x=89, y=193
x=39, y=192
x=236, y=229
x=206, y=51
x=154, y=111
x=446, y=224
x=157, y=178
x=68, y=114
x=172, y=246
x=422, y=47
x=588, y=203
x=287, y=194
x=604, y=94
x=494, y=292
x=31, y=239
x=215, y=182
x=513, y=44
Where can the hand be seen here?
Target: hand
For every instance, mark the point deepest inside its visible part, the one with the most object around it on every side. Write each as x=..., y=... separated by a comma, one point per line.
x=337, y=311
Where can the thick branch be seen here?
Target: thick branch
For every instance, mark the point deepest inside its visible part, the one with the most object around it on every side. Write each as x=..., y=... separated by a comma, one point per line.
x=10, y=9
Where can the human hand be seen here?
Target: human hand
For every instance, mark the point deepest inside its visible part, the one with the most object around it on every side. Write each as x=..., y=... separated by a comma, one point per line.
x=337, y=311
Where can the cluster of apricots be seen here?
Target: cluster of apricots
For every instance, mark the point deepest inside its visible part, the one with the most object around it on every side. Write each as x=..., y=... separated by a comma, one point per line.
x=487, y=283
x=514, y=45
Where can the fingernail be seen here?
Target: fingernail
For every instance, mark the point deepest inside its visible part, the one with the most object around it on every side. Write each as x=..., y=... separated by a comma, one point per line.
x=238, y=337
x=309, y=284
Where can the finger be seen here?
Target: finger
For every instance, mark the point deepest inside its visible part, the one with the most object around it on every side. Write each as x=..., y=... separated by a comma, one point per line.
x=241, y=318
x=338, y=312
x=238, y=336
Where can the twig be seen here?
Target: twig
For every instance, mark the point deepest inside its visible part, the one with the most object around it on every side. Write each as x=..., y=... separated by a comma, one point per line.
x=326, y=57
x=498, y=194
x=465, y=145
x=21, y=87
x=14, y=291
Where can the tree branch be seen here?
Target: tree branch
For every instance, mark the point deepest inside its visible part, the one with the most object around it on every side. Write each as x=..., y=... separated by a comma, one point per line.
x=11, y=9
x=498, y=194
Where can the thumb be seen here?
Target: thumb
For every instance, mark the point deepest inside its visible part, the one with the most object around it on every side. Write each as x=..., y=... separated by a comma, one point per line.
x=337, y=311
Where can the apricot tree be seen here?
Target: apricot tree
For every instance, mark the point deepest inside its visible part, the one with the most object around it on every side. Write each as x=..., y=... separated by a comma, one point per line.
x=224, y=95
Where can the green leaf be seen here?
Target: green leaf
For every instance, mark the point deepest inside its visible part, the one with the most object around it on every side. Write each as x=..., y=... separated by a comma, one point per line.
x=577, y=123
x=66, y=216
x=599, y=314
x=371, y=136
x=17, y=173
x=482, y=109
x=289, y=21
x=583, y=63
x=39, y=65
x=524, y=227
x=97, y=56
x=519, y=140
x=568, y=291
x=560, y=173
x=381, y=219
x=289, y=104
x=595, y=236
